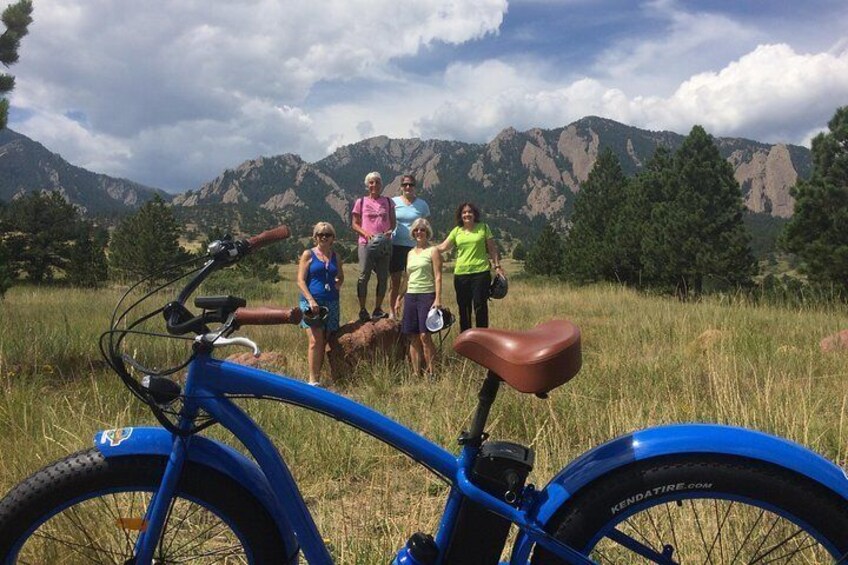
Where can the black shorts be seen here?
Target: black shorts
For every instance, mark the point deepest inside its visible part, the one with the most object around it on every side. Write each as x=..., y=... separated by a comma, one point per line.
x=398, y=261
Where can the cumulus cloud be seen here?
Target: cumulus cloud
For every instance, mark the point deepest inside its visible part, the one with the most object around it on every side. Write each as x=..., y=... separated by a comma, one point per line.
x=771, y=94
x=644, y=62
x=171, y=93
x=190, y=69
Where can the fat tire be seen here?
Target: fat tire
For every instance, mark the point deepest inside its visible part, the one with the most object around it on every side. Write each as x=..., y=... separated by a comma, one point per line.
x=88, y=474
x=598, y=505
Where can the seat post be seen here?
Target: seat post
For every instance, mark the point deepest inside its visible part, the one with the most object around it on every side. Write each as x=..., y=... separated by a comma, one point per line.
x=486, y=397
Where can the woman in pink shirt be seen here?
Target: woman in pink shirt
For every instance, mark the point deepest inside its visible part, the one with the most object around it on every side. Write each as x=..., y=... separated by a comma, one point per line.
x=373, y=216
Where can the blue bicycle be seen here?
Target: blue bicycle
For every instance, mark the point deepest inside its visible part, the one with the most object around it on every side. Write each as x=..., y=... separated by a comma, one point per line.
x=670, y=494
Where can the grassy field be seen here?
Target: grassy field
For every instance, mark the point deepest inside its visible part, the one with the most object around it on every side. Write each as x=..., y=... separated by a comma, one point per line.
x=647, y=360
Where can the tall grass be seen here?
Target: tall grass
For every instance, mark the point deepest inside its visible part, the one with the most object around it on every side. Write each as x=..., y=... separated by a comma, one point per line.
x=647, y=361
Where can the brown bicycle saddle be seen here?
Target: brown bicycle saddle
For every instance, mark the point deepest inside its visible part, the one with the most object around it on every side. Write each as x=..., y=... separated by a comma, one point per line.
x=534, y=361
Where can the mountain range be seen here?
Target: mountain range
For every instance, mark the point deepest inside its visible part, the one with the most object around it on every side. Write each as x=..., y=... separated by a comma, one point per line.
x=521, y=180
x=27, y=166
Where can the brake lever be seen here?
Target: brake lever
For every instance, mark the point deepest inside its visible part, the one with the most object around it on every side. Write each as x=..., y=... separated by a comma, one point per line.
x=215, y=340
x=243, y=341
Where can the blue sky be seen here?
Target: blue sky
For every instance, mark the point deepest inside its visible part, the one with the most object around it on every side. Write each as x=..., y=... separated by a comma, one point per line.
x=170, y=94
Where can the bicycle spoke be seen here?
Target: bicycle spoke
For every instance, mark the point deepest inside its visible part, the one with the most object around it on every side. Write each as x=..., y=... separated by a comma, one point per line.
x=779, y=545
x=748, y=535
x=708, y=531
x=116, y=515
x=78, y=548
x=765, y=537
x=91, y=531
x=199, y=539
x=719, y=529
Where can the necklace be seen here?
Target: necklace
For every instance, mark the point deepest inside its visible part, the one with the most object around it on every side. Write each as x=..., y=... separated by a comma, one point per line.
x=325, y=260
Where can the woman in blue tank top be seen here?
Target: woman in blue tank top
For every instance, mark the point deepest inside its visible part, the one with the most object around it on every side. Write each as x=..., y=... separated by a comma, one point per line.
x=319, y=277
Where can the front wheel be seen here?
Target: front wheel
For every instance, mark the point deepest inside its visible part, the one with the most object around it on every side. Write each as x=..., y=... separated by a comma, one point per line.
x=89, y=509
x=703, y=509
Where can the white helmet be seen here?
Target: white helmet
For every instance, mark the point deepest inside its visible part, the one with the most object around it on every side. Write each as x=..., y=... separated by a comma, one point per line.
x=438, y=319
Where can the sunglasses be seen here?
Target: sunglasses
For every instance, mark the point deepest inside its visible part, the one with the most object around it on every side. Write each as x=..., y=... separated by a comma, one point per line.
x=419, y=230
x=325, y=235
x=408, y=184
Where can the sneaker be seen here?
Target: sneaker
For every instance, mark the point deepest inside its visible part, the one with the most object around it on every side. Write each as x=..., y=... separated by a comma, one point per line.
x=363, y=315
x=378, y=314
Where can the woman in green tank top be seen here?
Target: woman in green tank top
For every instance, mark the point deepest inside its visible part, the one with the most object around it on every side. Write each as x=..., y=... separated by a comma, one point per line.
x=423, y=290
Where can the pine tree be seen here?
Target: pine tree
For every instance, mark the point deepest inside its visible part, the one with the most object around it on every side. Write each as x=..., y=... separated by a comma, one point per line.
x=16, y=18
x=644, y=192
x=519, y=253
x=145, y=242
x=818, y=231
x=87, y=265
x=591, y=252
x=546, y=254
x=40, y=230
x=696, y=229
x=7, y=273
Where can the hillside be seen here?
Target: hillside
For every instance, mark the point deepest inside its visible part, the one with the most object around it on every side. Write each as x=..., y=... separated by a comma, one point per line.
x=522, y=180
x=27, y=166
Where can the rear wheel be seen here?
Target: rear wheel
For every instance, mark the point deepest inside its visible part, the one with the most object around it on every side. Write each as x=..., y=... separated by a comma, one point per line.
x=703, y=509
x=89, y=509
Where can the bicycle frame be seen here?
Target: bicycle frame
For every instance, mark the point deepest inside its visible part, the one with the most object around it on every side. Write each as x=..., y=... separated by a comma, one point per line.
x=210, y=379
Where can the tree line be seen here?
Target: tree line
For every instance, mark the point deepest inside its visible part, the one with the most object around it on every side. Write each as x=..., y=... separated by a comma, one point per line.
x=677, y=226
x=44, y=239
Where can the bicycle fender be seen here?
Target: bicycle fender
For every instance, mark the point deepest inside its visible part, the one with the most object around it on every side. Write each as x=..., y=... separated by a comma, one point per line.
x=686, y=438
x=223, y=458
x=671, y=440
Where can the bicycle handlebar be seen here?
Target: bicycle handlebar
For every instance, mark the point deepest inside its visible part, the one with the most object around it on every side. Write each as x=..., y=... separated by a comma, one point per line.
x=222, y=253
x=268, y=237
x=265, y=315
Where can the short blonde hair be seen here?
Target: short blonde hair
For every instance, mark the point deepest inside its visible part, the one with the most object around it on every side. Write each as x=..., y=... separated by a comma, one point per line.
x=323, y=227
x=373, y=175
x=421, y=223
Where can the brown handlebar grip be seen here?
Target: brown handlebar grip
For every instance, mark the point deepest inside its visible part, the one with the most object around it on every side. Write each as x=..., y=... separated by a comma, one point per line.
x=268, y=237
x=265, y=316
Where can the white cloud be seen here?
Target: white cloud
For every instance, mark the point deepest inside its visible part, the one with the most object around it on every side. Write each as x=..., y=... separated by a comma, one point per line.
x=771, y=94
x=81, y=147
x=688, y=42
x=189, y=70
x=772, y=91
x=171, y=93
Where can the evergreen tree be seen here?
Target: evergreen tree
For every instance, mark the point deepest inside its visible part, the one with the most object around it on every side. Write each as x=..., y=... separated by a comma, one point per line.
x=87, y=265
x=591, y=252
x=545, y=256
x=145, y=242
x=518, y=252
x=644, y=192
x=696, y=229
x=41, y=228
x=16, y=17
x=818, y=231
x=7, y=272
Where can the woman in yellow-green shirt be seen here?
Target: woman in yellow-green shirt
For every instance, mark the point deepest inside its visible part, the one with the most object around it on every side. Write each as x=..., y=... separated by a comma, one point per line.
x=423, y=291
x=475, y=249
